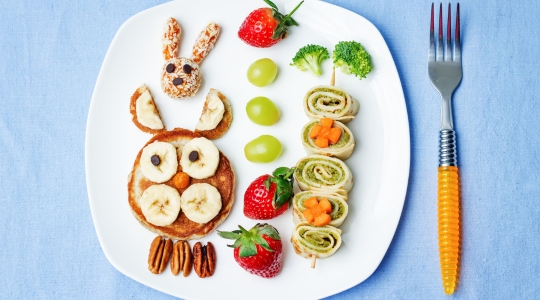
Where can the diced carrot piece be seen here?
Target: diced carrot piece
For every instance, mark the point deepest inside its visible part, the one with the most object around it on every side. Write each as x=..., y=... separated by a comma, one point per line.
x=316, y=210
x=327, y=122
x=315, y=131
x=334, y=135
x=324, y=132
x=321, y=142
x=308, y=215
x=322, y=219
x=309, y=203
x=326, y=206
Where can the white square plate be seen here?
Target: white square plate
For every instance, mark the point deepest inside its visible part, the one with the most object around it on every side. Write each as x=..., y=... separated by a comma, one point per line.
x=380, y=162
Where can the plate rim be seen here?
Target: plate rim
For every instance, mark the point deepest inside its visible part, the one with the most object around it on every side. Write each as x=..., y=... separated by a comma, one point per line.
x=404, y=140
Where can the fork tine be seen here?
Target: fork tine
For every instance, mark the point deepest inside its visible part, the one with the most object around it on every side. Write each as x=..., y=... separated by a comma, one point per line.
x=448, y=52
x=440, y=41
x=431, y=53
x=457, y=42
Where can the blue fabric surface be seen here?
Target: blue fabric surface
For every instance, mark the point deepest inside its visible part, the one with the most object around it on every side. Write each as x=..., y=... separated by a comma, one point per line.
x=51, y=54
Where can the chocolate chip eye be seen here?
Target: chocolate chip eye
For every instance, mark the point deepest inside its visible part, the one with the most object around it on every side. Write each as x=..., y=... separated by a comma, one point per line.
x=187, y=69
x=178, y=81
x=155, y=160
x=170, y=68
x=193, y=156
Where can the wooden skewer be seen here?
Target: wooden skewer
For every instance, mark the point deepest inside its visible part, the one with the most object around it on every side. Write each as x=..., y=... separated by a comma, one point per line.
x=333, y=80
x=313, y=261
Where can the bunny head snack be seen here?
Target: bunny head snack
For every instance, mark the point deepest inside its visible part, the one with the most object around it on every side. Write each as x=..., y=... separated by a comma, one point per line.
x=180, y=76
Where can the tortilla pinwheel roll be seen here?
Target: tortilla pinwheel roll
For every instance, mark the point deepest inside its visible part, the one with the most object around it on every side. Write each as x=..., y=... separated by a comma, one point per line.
x=323, y=173
x=320, y=242
x=341, y=147
x=338, y=203
x=325, y=101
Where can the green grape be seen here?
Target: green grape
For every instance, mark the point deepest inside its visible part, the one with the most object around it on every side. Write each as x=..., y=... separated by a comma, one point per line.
x=263, y=149
x=262, y=111
x=262, y=72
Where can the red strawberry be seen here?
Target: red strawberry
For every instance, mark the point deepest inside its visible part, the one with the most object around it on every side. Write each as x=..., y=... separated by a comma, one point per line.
x=266, y=26
x=268, y=196
x=258, y=251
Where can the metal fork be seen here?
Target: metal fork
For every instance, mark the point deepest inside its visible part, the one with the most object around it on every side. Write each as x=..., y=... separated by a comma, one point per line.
x=445, y=75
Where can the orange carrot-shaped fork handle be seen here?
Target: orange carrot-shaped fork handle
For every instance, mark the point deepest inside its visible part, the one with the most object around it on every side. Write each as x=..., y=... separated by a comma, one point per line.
x=448, y=212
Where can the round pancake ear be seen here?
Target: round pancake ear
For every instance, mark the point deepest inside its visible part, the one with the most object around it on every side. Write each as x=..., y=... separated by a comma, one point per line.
x=145, y=114
x=170, y=43
x=205, y=42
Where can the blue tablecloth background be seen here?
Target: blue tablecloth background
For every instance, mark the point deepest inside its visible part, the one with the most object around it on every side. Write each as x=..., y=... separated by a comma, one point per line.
x=50, y=56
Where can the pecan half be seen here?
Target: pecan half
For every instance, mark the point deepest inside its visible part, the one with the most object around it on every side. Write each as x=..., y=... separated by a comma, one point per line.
x=204, y=259
x=160, y=253
x=181, y=258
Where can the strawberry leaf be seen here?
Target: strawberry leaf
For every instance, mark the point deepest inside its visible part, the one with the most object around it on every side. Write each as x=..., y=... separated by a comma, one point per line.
x=268, y=182
x=280, y=172
x=280, y=31
x=283, y=183
x=283, y=198
x=247, y=241
x=271, y=4
x=290, y=22
x=262, y=242
x=270, y=231
x=247, y=247
x=229, y=235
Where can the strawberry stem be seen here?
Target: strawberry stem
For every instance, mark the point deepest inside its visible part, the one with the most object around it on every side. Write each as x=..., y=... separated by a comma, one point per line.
x=280, y=32
x=294, y=10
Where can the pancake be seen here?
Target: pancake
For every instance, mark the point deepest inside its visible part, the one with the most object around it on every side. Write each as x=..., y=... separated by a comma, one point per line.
x=182, y=228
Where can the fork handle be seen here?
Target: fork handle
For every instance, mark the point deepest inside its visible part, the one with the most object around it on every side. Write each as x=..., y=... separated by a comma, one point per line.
x=448, y=211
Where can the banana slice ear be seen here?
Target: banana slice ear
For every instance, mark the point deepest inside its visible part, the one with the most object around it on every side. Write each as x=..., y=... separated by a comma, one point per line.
x=145, y=114
x=216, y=117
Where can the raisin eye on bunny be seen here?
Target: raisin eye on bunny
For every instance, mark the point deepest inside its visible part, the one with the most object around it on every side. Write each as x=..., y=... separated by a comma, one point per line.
x=181, y=77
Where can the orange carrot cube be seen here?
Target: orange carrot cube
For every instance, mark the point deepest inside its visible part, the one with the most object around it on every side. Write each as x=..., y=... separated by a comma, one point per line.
x=327, y=122
x=308, y=215
x=321, y=142
x=324, y=132
x=316, y=210
x=326, y=206
x=322, y=219
x=334, y=135
x=315, y=131
x=309, y=203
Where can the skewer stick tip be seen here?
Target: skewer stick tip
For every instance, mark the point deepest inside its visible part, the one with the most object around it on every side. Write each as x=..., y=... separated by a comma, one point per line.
x=313, y=261
x=333, y=80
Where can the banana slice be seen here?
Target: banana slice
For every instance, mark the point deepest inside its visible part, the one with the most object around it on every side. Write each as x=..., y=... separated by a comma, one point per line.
x=212, y=113
x=160, y=204
x=147, y=113
x=201, y=202
x=200, y=158
x=159, y=161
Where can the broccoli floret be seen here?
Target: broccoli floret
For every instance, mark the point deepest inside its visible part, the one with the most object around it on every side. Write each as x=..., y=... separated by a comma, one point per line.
x=352, y=58
x=310, y=57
